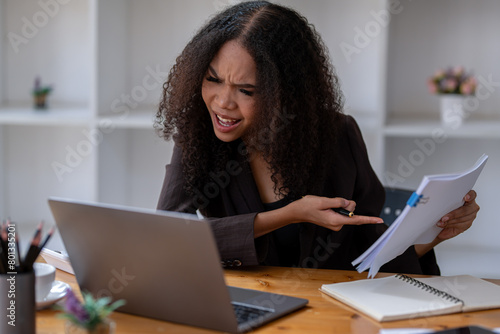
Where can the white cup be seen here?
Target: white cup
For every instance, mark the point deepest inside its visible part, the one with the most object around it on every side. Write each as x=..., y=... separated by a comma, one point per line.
x=45, y=275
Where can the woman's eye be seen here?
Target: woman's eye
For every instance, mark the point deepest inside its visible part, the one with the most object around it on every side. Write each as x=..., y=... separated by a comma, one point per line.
x=213, y=79
x=246, y=92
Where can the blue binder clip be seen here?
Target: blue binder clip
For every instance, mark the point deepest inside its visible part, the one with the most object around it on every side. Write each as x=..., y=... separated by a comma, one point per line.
x=414, y=199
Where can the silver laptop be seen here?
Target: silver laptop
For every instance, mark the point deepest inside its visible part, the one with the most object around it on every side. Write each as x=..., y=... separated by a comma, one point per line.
x=165, y=265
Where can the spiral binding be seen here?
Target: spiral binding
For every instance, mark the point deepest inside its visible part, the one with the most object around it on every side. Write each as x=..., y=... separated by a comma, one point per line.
x=429, y=288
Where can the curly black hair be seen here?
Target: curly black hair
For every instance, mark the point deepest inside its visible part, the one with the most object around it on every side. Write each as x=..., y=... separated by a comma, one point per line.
x=298, y=97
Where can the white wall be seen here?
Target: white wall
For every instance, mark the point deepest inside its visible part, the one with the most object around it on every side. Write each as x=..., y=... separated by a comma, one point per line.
x=123, y=155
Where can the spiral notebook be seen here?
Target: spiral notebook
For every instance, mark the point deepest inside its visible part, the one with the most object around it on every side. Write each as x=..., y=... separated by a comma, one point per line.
x=400, y=296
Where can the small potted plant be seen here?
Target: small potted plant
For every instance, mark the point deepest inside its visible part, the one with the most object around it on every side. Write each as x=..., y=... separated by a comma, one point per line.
x=89, y=316
x=40, y=94
x=452, y=85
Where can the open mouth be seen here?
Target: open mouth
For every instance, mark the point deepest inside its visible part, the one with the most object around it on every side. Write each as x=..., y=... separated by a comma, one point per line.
x=226, y=122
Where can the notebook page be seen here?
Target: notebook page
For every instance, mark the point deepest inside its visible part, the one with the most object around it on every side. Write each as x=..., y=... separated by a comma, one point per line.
x=476, y=293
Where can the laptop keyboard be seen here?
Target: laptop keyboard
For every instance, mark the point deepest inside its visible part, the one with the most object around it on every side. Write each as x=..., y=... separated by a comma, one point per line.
x=245, y=313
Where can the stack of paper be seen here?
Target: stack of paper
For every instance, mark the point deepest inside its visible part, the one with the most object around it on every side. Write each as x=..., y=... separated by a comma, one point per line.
x=436, y=196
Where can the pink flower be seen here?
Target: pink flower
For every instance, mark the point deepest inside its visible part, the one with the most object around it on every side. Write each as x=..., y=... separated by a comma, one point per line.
x=468, y=87
x=465, y=88
x=452, y=80
x=450, y=84
x=74, y=307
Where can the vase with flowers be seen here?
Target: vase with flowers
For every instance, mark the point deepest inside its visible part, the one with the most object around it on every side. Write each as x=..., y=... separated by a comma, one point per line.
x=89, y=316
x=452, y=84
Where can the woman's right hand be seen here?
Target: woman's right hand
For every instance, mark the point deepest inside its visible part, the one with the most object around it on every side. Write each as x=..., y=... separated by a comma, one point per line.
x=318, y=210
x=312, y=209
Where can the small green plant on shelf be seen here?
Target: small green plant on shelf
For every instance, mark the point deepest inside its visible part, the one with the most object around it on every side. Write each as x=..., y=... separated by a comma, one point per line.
x=40, y=94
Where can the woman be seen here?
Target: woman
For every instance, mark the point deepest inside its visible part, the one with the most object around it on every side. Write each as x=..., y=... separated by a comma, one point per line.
x=264, y=151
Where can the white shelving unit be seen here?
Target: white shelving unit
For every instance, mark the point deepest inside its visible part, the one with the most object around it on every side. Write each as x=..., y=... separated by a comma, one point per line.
x=476, y=129
x=46, y=42
x=96, y=140
x=56, y=116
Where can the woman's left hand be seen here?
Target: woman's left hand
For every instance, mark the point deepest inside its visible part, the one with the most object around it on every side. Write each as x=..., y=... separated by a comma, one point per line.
x=459, y=220
x=453, y=223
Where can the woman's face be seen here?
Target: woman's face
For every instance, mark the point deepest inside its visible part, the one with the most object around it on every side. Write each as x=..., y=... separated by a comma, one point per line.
x=228, y=91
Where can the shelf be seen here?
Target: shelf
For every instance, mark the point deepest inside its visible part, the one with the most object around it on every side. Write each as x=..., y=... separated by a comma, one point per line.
x=73, y=116
x=132, y=120
x=472, y=129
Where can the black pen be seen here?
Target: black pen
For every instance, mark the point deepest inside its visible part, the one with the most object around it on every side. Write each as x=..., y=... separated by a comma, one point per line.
x=3, y=236
x=2, y=267
x=47, y=238
x=30, y=258
x=44, y=242
x=343, y=212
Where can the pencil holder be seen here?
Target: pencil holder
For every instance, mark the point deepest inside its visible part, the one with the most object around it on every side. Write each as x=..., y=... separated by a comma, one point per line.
x=17, y=303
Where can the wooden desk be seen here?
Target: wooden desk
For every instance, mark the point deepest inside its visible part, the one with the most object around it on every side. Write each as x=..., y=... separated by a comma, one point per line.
x=322, y=315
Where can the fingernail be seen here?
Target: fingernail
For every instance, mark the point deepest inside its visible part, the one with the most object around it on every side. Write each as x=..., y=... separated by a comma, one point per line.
x=440, y=224
x=445, y=219
x=467, y=197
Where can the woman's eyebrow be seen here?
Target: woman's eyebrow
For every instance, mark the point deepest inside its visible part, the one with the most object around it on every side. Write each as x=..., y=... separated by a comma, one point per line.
x=214, y=73
x=211, y=69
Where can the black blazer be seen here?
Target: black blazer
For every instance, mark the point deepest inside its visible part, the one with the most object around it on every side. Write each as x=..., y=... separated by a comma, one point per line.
x=232, y=201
